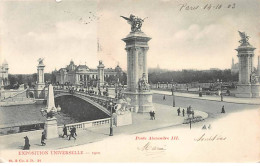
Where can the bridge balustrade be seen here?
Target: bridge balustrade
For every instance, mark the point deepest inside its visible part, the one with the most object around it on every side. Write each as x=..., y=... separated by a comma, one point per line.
x=86, y=124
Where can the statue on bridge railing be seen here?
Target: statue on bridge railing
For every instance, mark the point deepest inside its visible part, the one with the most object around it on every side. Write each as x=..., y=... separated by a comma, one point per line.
x=123, y=106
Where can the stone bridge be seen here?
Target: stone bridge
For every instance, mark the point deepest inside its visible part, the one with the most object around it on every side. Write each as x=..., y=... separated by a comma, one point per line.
x=15, y=97
x=100, y=102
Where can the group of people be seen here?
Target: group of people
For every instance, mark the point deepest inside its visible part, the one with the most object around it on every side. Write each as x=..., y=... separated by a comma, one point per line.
x=72, y=132
x=43, y=137
x=189, y=112
x=152, y=115
x=27, y=141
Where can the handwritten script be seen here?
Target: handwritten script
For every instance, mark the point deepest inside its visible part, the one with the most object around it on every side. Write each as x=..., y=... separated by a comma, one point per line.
x=149, y=147
x=215, y=137
x=206, y=7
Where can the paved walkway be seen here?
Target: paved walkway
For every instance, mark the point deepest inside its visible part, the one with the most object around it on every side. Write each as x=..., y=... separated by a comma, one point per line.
x=228, y=99
x=166, y=116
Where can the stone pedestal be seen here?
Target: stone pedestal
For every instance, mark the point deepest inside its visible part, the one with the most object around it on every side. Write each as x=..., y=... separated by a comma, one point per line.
x=243, y=90
x=51, y=128
x=140, y=101
x=40, y=91
x=124, y=119
x=255, y=89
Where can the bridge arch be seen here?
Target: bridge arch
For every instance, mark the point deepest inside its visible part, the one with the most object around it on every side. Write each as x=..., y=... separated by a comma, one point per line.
x=31, y=94
x=86, y=99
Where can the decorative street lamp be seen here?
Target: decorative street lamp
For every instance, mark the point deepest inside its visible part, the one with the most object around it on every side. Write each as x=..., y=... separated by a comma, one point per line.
x=111, y=117
x=221, y=95
x=98, y=82
x=173, y=98
x=88, y=86
x=117, y=89
x=51, y=112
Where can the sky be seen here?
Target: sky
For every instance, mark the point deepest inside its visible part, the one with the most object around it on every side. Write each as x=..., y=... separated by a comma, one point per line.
x=64, y=30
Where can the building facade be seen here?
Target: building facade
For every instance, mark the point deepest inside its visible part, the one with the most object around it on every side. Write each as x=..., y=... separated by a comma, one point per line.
x=4, y=74
x=82, y=74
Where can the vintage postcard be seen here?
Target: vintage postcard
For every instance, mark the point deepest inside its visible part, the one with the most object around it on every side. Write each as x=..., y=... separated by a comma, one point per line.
x=129, y=81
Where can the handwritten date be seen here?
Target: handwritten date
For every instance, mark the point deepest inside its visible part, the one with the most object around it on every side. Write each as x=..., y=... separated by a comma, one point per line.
x=206, y=7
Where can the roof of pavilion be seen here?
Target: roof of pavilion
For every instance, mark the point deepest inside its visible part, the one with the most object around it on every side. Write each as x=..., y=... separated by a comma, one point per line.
x=82, y=68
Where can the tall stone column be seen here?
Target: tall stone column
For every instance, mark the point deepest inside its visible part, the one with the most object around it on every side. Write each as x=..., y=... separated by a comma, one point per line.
x=40, y=86
x=129, y=76
x=137, y=72
x=145, y=69
x=40, y=74
x=245, y=53
x=100, y=74
x=135, y=69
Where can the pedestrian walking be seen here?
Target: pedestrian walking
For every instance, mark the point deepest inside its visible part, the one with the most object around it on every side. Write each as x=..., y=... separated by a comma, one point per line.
x=164, y=97
x=26, y=143
x=192, y=113
x=153, y=115
x=65, y=132
x=72, y=133
x=188, y=111
x=178, y=111
x=43, y=138
x=183, y=112
x=223, y=110
x=74, y=129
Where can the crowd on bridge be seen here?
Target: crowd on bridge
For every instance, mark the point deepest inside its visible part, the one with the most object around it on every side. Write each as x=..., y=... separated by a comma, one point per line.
x=89, y=91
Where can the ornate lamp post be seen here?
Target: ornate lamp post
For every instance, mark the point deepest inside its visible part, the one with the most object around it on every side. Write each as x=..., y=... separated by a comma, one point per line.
x=111, y=118
x=221, y=95
x=173, y=98
x=117, y=89
x=50, y=113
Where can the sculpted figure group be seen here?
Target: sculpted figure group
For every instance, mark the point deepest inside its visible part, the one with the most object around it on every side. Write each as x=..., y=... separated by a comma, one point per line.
x=135, y=22
x=123, y=106
x=143, y=84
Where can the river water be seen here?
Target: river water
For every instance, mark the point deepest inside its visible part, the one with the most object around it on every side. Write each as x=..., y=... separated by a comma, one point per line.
x=73, y=110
